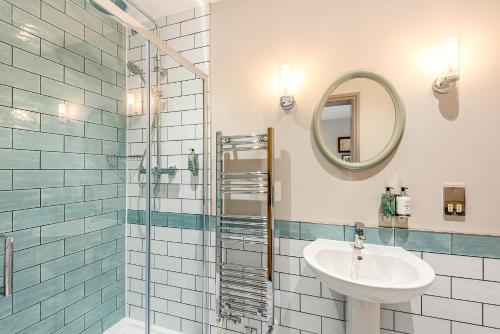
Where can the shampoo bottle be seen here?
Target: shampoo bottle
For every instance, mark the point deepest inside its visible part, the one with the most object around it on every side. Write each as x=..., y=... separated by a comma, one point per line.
x=403, y=203
x=388, y=203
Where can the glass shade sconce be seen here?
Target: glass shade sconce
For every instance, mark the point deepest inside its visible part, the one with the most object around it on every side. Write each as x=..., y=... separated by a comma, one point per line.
x=287, y=102
x=132, y=107
x=450, y=66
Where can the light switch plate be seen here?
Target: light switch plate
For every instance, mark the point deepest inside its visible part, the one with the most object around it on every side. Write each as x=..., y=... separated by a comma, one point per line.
x=454, y=198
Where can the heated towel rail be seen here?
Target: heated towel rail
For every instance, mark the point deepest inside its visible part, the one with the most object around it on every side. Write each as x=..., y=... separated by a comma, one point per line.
x=244, y=290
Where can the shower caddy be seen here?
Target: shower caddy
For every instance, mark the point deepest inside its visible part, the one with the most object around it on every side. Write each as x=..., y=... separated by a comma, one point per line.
x=242, y=290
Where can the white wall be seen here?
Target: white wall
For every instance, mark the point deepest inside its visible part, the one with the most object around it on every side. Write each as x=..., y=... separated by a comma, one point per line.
x=449, y=140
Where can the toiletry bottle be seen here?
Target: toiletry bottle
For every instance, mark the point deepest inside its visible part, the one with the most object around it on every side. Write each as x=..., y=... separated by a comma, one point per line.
x=388, y=203
x=403, y=203
x=193, y=163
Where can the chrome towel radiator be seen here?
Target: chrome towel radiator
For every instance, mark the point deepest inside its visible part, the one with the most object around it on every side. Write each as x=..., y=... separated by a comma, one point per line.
x=243, y=290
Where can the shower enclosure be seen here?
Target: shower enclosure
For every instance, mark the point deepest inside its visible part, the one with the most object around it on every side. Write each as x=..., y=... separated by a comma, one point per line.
x=103, y=172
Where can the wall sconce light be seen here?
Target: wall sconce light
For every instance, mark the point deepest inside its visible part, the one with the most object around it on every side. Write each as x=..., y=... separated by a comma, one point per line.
x=450, y=66
x=287, y=102
x=63, y=111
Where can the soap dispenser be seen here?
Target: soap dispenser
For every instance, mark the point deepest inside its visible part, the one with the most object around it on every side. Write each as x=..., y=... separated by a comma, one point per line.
x=403, y=203
x=388, y=203
x=193, y=163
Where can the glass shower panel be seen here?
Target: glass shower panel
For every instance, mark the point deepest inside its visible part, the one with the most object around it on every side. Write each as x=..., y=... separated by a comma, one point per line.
x=176, y=292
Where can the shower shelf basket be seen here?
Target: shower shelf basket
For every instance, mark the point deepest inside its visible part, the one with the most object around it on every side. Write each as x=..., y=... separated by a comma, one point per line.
x=244, y=290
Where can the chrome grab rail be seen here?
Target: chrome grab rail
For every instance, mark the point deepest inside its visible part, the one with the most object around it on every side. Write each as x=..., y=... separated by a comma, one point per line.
x=8, y=264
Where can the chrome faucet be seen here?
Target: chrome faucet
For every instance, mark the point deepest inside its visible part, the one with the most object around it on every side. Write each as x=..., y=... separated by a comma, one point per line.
x=359, y=237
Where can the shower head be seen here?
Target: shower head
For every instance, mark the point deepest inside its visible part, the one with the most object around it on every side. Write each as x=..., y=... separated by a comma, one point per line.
x=135, y=70
x=120, y=3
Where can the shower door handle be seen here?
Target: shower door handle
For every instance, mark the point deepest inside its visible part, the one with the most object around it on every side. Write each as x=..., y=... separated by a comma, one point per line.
x=8, y=264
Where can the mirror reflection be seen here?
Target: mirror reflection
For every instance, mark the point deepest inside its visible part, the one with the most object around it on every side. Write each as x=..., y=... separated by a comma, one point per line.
x=357, y=120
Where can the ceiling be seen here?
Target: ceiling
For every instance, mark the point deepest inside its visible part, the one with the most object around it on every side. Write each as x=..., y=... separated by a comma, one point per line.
x=161, y=8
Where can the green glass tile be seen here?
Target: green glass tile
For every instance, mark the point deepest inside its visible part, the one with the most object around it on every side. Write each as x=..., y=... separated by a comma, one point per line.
x=309, y=231
x=113, y=91
x=100, y=192
x=114, y=204
x=25, y=238
x=20, y=320
x=286, y=229
x=113, y=233
x=5, y=306
x=97, y=162
x=35, y=102
x=37, y=293
x=5, y=11
x=100, y=222
x=98, y=283
x=113, y=261
x=33, y=140
x=15, y=159
x=37, y=27
x=58, y=302
x=10, y=35
x=80, y=275
x=120, y=243
x=55, y=160
x=58, y=4
x=113, y=35
x=62, y=56
x=136, y=217
x=55, y=196
x=62, y=91
x=38, y=217
x=29, y=179
x=83, y=306
x=26, y=278
x=62, y=265
x=15, y=77
x=82, y=177
x=93, y=329
x=5, y=96
x=62, y=125
x=82, y=80
x=423, y=241
x=99, y=252
x=82, y=145
x=54, y=232
x=37, y=255
x=122, y=135
x=20, y=119
x=81, y=242
x=113, y=176
x=5, y=138
x=64, y=22
x=77, y=326
x=183, y=220
x=121, y=80
x=33, y=63
x=5, y=222
x=100, y=312
x=83, y=113
x=113, y=63
x=100, y=102
x=82, y=210
x=100, y=72
x=114, y=120
x=476, y=245
x=19, y=199
x=113, y=318
x=6, y=53
x=47, y=325
x=100, y=42
x=83, y=16
x=31, y=6
x=100, y=132
x=81, y=48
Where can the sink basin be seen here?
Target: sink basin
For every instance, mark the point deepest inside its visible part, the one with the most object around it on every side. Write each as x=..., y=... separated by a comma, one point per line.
x=369, y=276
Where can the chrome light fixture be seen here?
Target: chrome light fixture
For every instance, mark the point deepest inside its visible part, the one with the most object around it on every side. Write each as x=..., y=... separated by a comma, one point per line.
x=287, y=102
x=450, y=66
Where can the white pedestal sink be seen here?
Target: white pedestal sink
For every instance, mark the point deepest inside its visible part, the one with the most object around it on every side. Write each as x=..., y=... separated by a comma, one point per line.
x=368, y=277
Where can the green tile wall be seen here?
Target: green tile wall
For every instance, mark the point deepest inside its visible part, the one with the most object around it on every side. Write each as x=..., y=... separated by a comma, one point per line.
x=59, y=198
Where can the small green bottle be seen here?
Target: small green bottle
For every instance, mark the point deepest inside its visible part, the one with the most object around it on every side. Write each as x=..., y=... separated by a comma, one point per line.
x=388, y=203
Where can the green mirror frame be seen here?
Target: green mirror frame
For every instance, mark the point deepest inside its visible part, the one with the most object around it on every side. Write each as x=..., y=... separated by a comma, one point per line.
x=397, y=133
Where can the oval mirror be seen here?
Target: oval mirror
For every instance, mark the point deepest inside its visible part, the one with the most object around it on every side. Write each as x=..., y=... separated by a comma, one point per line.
x=359, y=121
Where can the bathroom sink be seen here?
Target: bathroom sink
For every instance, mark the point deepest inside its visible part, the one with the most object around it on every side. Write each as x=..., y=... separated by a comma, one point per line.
x=378, y=274
x=368, y=277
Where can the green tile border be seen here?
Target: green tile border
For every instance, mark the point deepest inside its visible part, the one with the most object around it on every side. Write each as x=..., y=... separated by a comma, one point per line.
x=414, y=240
